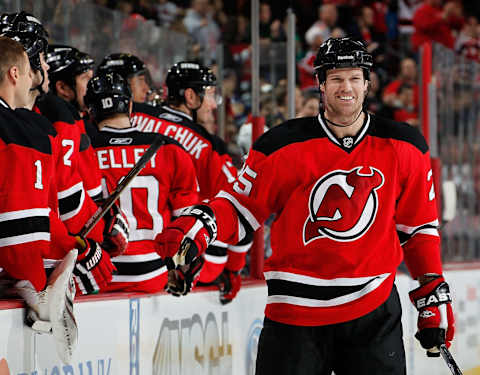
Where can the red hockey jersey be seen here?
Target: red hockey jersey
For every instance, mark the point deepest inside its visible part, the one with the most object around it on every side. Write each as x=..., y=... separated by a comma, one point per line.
x=213, y=165
x=25, y=188
x=165, y=186
x=347, y=212
x=78, y=179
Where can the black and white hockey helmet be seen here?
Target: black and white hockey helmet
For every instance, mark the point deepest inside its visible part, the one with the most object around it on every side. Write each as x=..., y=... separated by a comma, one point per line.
x=28, y=30
x=185, y=75
x=66, y=63
x=337, y=53
x=107, y=94
x=125, y=64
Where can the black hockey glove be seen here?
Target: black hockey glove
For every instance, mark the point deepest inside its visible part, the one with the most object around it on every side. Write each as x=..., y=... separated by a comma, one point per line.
x=182, y=279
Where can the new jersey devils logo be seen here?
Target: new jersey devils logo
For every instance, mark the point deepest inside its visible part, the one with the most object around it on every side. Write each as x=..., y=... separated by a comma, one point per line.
x=343, y=205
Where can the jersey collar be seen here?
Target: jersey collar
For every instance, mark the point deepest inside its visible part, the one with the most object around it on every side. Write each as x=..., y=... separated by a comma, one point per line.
x=4, y=103
x=179, y=113
x=346, y=143
x=117, y=130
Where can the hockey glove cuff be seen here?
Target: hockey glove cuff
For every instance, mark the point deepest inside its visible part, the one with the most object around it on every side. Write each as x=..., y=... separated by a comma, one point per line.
x=184, y=278
x=435, y=315
x=93, y=270
x=115, y=234
x=229, y=283
x=188, y=236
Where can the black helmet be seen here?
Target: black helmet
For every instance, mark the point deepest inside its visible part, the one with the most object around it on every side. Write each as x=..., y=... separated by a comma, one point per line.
x=26, y=29
x=66, y=63
x=125, y=64
x=107, y=94
x=336, y=53
x=185, y=75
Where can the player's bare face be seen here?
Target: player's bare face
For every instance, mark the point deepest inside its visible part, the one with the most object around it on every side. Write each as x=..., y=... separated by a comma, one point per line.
x=81, y=86
x=209, y=105
x=45, y=68
x=24, y=83
x=344, y=91
x=140, y=88
x=38, y=78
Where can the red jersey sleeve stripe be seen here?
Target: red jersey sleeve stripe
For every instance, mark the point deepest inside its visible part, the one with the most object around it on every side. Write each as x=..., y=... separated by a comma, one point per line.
x=245, y=212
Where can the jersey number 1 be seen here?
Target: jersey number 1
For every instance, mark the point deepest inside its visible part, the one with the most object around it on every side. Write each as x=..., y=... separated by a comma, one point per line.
x=38, y=179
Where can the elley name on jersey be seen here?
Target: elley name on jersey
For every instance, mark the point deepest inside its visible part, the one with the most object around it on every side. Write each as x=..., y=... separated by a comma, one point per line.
x=122, y=158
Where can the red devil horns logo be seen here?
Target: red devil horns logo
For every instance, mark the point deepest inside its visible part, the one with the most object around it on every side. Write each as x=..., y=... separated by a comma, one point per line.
x=343, y=205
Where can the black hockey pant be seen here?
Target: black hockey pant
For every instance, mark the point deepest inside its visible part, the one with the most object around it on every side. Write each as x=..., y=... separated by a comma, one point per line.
x=369, y=345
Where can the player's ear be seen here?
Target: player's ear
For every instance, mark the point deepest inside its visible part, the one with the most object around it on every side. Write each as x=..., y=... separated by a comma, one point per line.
x=64, y=90
x=321, y=86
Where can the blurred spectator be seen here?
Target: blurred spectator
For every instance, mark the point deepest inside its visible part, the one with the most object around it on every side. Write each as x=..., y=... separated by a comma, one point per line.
x=203, y=29
x=407, y=112
x=145, y=9
x=265, y=18
x=406, y=10
x=244, y=137
x=320, y=31
x=311, y=106
x=167, y=12
x=407, y=76
x=436, y=24
x=327, y=21
x=373, y=101
x=468, y=41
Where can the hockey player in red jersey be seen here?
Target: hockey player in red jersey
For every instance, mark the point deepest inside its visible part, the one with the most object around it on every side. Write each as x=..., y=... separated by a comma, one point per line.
x=70, y=206
x=191, y=87
x=164, y=187
x=24, y=205
x=353, y=196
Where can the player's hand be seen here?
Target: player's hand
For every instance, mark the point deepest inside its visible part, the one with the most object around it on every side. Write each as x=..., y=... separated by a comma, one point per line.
x=188, y=236
x=93, y=270
x=182, y=279
x=115, y=234
x=435, y=316
x=229, y=283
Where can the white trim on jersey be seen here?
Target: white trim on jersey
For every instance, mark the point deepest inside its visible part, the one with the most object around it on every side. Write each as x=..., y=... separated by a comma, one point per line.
x=242, y=209
x=311, y=302
x=119, y=130
x=136, y=258
x=215, y=259
x=65, y=194
x=315, y=281
x=334, y=139
x=219, y=243
x=180, y=113
x=24, y=238
x=364, y=130
x=409, y=230
x=240, y=249
x=137, y=278
x=327, y=130
x=21, y=214
x=95, y=191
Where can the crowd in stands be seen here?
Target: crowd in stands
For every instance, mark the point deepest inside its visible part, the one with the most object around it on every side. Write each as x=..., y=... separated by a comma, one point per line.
x=393, y=31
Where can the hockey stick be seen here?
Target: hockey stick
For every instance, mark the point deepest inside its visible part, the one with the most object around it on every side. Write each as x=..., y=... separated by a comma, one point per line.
x=448, y=358
x=121, y=186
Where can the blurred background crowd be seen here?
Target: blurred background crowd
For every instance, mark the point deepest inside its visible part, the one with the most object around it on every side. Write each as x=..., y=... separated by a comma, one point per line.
x=218, y=34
